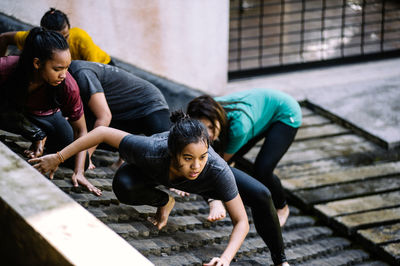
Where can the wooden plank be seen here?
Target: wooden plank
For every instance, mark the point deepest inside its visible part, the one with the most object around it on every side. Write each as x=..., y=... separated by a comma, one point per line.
x=348, y=175
x=321, y=131
x=361, y=204
x=381, y=234
x=353, y=222
x=348, y=190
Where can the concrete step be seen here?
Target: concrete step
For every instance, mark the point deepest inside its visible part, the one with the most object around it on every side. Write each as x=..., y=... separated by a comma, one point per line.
x=183, y=258
x=100, y=172
x=322, y=131
x=391, y=252
x=321, y=153
x=314, y=120
x=338, y=177
x=381, y=234
x=351, y=223
x=342, y=258
x=309, y=168
x=317, y=195
x=86, y=199
x=199, y=238
x=306, y=111
x=328, y=142
x=360, y=204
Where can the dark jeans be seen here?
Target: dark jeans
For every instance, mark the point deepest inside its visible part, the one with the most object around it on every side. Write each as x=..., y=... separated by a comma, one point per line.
x=278, y=138
x=131, y=188
x=59, y=135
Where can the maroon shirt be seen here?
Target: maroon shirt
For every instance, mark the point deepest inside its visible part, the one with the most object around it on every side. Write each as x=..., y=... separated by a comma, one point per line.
x=40, y=101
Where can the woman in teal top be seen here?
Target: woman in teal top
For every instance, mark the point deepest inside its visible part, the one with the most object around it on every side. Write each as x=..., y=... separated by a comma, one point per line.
x=235, y=122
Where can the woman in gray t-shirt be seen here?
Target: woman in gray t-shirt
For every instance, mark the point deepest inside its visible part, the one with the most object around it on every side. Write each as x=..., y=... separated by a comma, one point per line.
x=180, y=158
x=114, y=97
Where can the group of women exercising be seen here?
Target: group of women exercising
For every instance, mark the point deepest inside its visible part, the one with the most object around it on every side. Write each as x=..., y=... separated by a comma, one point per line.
x=53, y=94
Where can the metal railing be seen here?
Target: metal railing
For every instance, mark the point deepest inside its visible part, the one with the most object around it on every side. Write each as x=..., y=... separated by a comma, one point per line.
x=273, y=35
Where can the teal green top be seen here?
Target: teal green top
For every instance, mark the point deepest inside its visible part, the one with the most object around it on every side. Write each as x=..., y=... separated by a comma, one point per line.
x=262, y=108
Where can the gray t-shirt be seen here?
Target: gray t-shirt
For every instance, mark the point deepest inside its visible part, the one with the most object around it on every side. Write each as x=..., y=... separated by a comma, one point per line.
x=151, y=155
x=128, y=96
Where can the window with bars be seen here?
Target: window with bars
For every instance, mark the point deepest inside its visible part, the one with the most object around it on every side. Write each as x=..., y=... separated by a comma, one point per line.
x=278, y=34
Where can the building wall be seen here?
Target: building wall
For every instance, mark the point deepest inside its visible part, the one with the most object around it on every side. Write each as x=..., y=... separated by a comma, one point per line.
x=184, y=41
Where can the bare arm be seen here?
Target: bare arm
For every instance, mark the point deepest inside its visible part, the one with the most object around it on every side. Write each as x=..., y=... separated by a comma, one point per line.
x=240, y=222
x=99, y=107
x=79, y=128
x=111, y=136
x=6, y=39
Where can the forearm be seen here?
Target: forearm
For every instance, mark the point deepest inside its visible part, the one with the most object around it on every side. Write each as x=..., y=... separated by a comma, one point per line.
x=3, y=45
x=103, y=121
x=98, y=135
x=228, y=156
x=237, y=237
x=6, y=39
x=80, y=159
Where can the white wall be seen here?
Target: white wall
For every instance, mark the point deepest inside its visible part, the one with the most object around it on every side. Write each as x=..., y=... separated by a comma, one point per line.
x=185, y=41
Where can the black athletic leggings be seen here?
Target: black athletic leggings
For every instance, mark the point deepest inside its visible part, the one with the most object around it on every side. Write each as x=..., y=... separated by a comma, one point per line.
x=130, y=187
x=59, y=135
x=278, y=138
x=150, y=124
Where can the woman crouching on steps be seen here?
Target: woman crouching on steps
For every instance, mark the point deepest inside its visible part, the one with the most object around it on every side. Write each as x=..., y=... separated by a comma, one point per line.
x=180, y=158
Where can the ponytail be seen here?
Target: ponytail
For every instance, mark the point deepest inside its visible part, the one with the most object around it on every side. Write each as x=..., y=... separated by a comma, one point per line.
x=42, y=44
x=183, y=132
x=54, y=20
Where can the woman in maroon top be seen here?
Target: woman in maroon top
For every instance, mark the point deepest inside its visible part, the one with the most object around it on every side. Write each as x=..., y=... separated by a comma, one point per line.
x=38, y=86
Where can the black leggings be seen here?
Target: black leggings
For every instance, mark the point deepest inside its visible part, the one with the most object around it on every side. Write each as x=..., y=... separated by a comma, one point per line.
x=131, y=188
x=150, y=124
x=278, y=138
x=257, y=196
x=59, y=135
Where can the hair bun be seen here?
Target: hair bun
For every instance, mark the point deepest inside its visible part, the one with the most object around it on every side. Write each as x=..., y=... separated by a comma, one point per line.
x=178, y=116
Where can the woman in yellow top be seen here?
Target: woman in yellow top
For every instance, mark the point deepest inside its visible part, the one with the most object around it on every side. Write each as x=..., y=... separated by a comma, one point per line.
x=80, y=43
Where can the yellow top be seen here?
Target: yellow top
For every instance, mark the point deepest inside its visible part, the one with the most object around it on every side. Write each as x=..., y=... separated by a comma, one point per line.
x=80, y=43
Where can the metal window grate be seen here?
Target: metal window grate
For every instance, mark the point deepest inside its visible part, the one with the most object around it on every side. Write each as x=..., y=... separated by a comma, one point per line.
x=270, y=35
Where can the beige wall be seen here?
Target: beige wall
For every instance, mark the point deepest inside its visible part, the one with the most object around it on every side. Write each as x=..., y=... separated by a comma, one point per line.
x=183, y=40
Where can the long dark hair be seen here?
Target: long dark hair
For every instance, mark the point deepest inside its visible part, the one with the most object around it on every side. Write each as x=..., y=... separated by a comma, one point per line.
x=206, y=107
x=184, y=131
x=54, y=19
x=40, y=43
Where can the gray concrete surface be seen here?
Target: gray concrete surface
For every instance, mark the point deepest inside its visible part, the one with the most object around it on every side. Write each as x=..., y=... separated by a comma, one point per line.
x=365, y=95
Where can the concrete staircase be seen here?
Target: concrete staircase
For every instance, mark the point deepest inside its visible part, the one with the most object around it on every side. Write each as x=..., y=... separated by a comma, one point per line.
x=343, y=191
